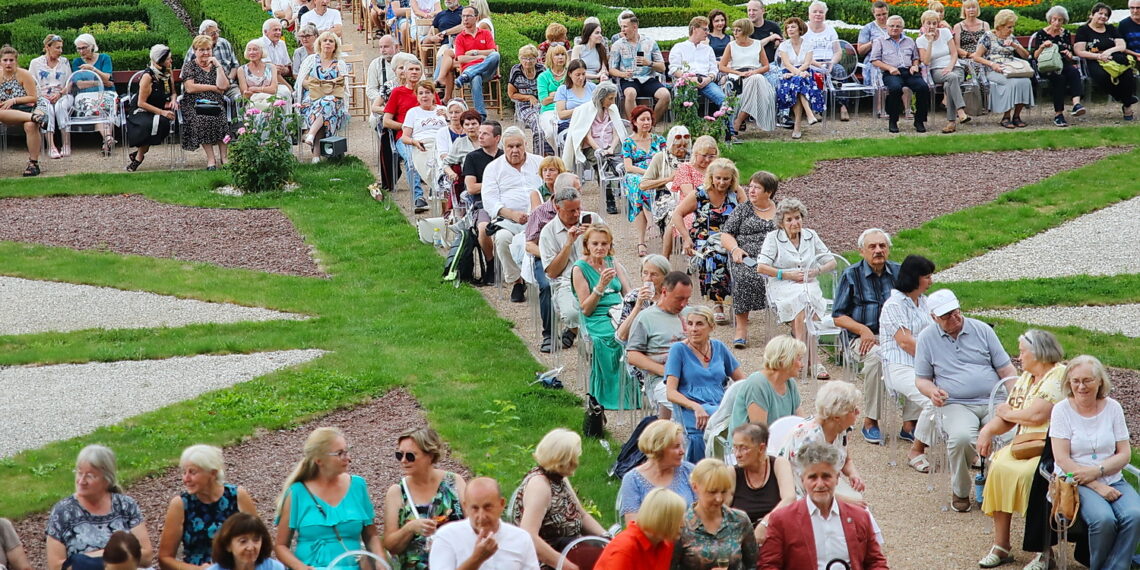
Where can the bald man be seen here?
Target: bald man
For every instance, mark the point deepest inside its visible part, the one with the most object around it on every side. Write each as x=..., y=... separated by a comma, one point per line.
x=482, y=540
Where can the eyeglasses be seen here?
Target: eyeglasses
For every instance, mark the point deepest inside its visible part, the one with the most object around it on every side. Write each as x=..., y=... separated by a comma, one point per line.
x=88, y=477
x=82, y=47
x=408, y=455
x=1082, y=381
x=340, y=453
x=683, y=137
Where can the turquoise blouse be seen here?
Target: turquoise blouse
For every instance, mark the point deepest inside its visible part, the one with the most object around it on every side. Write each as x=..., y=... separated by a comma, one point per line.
x=313, y=522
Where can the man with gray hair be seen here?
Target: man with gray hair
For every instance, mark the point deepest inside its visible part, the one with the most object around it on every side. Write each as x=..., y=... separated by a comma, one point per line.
x=559, y=246
x=859, y=298
x=818, y=530
x=507, y=183
x=277, y=54
x=224, y=52
x=897, y=57
x=567, y=193
x=956, y=365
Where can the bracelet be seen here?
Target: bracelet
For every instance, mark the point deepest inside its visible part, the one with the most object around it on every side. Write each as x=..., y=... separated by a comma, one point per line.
x=779, y=275
x=599, y=293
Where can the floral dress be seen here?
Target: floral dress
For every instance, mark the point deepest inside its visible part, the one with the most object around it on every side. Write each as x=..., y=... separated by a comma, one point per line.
x=332, y=110
x=444, y=508
x=733, y=545
x=527, y=113
x=562, y=522
x=716, y=281
x=13, y=89
x=792, y=87
x=201, y=129
x=201, y=521
x=749, y=230
x=640, y=199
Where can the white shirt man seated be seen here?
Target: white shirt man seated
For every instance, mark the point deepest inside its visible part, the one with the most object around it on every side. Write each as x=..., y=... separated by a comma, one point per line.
x=482, y=540
x=276, y=53
x=956, y=365
x=695, y=56
x=381, y=77
x=323, y=17
x=507, y=183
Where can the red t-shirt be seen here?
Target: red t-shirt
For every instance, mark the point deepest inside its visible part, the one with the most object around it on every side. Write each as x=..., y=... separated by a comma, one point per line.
x=631, y=550
x=482, y=39
x=398, y=104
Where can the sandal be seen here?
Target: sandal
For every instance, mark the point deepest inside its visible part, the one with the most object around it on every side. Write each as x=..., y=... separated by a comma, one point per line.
x=920, y=463
x=1007, y=124
x=40, y=118
x=993, y=559
x=135, y=162
x=965, y=119
x=108, y=145
x=740, y=343
x=33, y=168
x=1017, y=122
x=821, y=372
x=1039, y=563
x=642, y=250
x=54, y=153
x=719, y=315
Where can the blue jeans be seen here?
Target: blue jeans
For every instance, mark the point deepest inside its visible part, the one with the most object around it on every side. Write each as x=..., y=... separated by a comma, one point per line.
x=1114, y=528
x=477, y=74
x=713, y=93
x=414, y=181
x=544, y=307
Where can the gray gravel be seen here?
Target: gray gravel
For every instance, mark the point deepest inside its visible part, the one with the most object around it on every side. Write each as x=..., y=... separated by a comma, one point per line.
x=1113, y=319
x=28, y=306
x=1101, y=243
x=43, y=404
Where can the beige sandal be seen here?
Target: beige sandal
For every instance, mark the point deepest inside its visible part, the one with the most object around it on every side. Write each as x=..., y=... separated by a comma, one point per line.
x=993, y=560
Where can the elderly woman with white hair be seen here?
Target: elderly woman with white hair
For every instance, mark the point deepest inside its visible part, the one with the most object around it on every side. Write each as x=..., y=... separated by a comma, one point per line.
x=97, y=68
x=658, y=179
x=836, y=410
x=1008, y=95
x=257, y=79
x=80, y=525
x=785, y=258
x=771, y=393
x=596, y=126
x=1066, y=80
x=195, y=516
x=546, y=505
x=322, y=91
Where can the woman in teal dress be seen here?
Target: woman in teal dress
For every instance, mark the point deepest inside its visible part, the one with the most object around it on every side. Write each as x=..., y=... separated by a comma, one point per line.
x=324, y=508
x=599, y=286
x=424, y=499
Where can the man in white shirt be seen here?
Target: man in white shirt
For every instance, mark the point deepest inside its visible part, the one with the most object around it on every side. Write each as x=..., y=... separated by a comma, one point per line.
x=277, y=54
x=381, y=77
x=818, y=529
x=482, y=540
x=323, y=17
x=507, y=183
x=696, y=57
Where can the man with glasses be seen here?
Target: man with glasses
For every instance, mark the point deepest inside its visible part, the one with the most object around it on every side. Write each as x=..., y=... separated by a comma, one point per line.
x=478, y=58
x=956, y=365
x=1129, y=29
x=695, y=56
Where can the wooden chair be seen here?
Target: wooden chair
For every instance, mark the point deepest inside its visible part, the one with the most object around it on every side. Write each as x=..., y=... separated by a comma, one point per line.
x=492, y=94
x=425, y=53
x=358, y=101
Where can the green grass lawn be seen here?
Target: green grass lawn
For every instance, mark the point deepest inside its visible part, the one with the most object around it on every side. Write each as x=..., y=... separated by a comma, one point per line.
x=389, y=322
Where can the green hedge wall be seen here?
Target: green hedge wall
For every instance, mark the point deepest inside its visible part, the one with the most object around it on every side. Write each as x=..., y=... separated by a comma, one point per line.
x=859, y=12
x=239, y=20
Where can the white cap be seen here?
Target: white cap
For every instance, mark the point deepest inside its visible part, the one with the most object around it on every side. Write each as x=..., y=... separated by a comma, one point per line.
x=942, y=301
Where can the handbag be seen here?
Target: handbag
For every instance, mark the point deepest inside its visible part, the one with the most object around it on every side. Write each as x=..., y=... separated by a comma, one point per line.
x=1050, y=60
x=594, y=425
x=1118, y=65
x=324, y=87
x=1015, y=68
x=1066, y=502
x=1027, y=445
x=207, y=108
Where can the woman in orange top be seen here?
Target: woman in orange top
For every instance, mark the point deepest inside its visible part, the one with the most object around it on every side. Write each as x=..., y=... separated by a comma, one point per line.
x=647, y=543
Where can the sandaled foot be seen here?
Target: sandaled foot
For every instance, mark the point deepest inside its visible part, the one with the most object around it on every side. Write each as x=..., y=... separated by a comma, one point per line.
x=740, y=343
x=920, y=463
x=135, y=162
x=40, y=118
x=1017, y=122
x=33, y=168
x=108, y=145
x=995, y=558
x=642, y=250
x=963, y=119
x=65, y=151
x=720, y=316
x=821, y=372
x=1038, y=563
x=1007, y=124
x=54, y=153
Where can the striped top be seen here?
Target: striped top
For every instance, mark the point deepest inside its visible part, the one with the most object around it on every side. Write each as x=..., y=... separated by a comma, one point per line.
x=899, y=312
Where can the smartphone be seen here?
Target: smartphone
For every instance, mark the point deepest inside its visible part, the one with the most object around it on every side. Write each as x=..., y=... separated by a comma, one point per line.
x=587, y=219
x=749, y=261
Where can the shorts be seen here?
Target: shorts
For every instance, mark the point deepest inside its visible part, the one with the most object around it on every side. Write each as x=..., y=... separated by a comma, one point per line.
x=647, y=89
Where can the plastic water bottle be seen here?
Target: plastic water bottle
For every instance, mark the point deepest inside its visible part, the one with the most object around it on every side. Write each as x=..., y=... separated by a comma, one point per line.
x=979, y=487
x=437, y=237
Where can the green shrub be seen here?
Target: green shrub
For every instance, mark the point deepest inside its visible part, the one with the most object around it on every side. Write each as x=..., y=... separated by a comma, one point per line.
x=11, y=10
x=238, y=20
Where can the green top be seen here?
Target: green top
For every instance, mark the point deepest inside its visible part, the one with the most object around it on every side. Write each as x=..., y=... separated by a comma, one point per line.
x=547, y=84
x=757, y=389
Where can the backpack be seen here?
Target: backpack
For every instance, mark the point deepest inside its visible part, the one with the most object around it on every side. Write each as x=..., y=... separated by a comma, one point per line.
x=463, y=257
x=630, y=455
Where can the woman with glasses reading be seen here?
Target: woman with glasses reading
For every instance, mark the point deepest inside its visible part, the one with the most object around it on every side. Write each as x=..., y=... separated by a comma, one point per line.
x=425, y=498
x=324, y=508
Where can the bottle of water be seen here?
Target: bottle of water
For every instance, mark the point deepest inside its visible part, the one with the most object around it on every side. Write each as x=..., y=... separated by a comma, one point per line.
x=437, y=237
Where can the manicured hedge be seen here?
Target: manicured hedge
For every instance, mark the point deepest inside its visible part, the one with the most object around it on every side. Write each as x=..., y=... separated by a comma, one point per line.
x=238, y=20
x=859, y=11
x=11, y=10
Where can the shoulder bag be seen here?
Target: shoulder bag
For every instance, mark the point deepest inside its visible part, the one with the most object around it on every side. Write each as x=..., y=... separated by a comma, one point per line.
x=594, y=424
x=1016, y=67
x=1027, y=445
x=1050, y=60
x=1066, y=502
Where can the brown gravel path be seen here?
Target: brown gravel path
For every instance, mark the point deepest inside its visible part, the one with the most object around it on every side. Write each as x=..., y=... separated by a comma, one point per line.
x=261, y=240
x=262, y=463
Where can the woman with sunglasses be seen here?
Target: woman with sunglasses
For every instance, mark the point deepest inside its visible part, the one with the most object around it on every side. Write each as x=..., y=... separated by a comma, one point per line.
x=425, y=498
x=327, y=510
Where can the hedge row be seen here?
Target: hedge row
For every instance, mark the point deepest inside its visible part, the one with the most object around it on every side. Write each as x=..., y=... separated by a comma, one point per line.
x=859, y=12
x=11, y=10
x=240, y=21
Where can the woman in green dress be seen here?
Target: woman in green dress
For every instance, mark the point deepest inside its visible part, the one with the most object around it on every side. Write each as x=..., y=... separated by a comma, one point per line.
x=600, y=285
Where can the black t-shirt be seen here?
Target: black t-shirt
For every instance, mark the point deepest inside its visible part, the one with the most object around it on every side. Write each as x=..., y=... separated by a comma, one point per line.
x=757, y=503
x=447, y=19
x=476, y=161
x=1064, y=42
x=1130, y=31
x=1097, y=42
x=764, y=31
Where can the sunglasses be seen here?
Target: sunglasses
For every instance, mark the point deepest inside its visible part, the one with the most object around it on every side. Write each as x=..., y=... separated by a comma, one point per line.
x=682, y=137
x=402, y=455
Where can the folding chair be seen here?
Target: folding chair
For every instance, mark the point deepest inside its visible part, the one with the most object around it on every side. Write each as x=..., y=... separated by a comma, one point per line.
x=821, y=325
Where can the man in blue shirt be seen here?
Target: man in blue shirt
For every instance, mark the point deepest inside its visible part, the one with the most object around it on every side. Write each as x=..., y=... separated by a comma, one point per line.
x=1129, y=28
x=897, y=57
x=859, y=297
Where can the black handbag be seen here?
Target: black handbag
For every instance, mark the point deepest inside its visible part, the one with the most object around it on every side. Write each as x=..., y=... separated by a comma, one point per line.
x=594, y=425
x=208, y=108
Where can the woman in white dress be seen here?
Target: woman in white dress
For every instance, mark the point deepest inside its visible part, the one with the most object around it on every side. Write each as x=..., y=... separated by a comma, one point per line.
x=745, y=63
x=785, y=258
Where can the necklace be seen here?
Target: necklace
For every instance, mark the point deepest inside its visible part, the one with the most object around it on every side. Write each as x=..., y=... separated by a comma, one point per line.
x=764, y=473
x=769, y=208
x=706, y=356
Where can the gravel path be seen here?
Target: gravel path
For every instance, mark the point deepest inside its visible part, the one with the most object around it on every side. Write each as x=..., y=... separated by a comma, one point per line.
x=262, y=463
x=1110, y=248
x=28, y=306
x=261, y=240
x=43, y=404
x=1113, y=319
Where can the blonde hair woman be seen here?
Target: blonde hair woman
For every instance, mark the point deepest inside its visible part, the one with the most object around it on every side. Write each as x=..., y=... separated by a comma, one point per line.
x=771, y=393
x=546, y=505
x=648, y=542
x=318, y=482
x=939, y=52
x=1008, y=95
x=735, y=545
x=52, y=72
x=321, y=85
x=663, y=443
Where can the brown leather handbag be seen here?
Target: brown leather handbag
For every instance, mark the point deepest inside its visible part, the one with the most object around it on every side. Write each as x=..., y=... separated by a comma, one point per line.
x=1066, y=502
x=1027, y=445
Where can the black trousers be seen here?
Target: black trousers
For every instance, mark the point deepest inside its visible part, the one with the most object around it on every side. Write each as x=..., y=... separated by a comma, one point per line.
x=1066, y=82
x=895, y=84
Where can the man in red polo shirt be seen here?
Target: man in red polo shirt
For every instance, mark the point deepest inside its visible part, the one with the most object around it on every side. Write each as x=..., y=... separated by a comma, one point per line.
x=478, y=58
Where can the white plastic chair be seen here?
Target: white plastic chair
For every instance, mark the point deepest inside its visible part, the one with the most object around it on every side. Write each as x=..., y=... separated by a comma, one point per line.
x=1000, y=393
x=381, y=563
x=717, y=436
x=823, y=325
x=841, y=78
x=95, y=94
x=778, y=432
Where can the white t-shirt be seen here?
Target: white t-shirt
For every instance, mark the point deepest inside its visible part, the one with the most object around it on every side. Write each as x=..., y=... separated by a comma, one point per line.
x=790, y=55
x=940, y=52
x=424, y=123
x=323, y=23
x=1089, y=436
x=455, y=542
x=283, y=6
x=822, y=44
